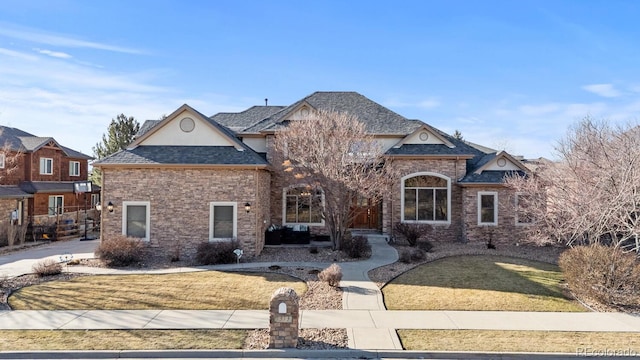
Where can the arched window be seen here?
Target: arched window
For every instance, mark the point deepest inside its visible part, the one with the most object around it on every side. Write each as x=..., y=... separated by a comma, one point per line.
x=302, y=205
x=426, y=197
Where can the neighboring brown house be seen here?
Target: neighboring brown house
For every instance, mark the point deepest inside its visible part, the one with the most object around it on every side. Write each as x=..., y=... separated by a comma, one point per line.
x=187, y=178
x=37, y=177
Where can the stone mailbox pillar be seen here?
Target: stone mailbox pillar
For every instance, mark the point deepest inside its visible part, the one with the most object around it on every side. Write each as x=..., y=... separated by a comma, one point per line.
x=283, y=319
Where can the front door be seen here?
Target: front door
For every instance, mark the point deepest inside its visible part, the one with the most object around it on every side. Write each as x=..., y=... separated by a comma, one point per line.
x=367, y=214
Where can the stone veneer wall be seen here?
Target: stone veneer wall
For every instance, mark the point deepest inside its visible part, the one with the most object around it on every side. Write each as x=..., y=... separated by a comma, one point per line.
x=180, y=205
x=506, y=231
x=452, y=168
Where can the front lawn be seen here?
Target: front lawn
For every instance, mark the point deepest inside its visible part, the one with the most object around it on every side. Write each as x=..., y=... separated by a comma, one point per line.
x=480, y=283
x=205, y=290
x=25, y=340
x=578, y=343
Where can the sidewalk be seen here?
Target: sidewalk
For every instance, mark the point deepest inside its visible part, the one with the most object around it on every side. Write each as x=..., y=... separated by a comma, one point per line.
x=354, y=319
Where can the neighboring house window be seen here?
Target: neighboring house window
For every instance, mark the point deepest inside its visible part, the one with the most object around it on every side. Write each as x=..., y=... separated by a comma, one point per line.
x=223, y=224
x=95, y=199
x=46, y=166
x=487, y=208
x=74, y=168
x=302, y=205
x=136, y=219
x=523, y=215
x=2, y=157
x=56, y=205
x=426, y=197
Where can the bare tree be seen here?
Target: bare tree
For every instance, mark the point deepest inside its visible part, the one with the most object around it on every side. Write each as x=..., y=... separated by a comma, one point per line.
x=592, y=194
x=10, y=156
x=331, y=152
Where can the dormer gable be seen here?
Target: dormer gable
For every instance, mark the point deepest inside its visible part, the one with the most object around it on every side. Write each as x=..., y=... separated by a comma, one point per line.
x=502, y=162
x=424, y=135
x=300, y=112
x=187, y=127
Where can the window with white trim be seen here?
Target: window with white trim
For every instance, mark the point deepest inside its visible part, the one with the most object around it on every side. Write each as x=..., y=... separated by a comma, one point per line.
x=523, y=214
x=487, y=208
x=2, y=158
x=223, y=221
x=46, y=166
x=302, y=205
x=56, y=205
x=426, y=197
x=74, y=168
x=136, y=219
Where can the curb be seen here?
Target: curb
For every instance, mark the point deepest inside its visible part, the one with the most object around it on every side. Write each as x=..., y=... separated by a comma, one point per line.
x=282, y=353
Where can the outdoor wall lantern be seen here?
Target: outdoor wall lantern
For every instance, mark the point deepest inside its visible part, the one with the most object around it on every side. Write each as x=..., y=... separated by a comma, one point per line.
x=110, y=207
x=247, y=207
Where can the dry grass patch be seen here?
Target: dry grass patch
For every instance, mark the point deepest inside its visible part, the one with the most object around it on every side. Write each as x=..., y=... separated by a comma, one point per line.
x=206, y=290
x=520, y=341
x=16, y=340
x=480, y=283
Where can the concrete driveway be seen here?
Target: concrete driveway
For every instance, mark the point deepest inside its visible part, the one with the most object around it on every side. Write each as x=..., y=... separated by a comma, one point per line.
x=20, y=262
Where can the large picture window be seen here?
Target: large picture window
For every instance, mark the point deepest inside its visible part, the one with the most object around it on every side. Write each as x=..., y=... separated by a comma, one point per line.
x=426, y=197
x=302, y=205
x=223, y=223
x=487, y=208
x=136, y=219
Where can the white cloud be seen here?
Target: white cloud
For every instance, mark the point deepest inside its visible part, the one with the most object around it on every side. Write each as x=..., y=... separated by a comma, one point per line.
x=604, y=90
x=17, y=54
x=429, y=103
x=42, y=37
x=536, y=110
x=55, y=54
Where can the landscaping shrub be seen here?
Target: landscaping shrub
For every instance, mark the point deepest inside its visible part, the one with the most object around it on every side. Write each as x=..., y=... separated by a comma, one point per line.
x=47, y=267
x=313, y=250
x=120, y=250
x=602, y=273
x=217, y=252
x=425, y=245
x=356, y=246
x=409, y=255
x=412, y=232
x=332, y=275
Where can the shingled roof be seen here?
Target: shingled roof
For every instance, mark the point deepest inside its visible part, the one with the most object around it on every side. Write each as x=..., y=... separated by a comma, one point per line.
x=183, y=155
x=247, y=118
x=377, y=118
x=18, y=140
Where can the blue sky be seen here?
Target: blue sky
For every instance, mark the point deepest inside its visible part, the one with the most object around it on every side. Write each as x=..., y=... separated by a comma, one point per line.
x=508, y=74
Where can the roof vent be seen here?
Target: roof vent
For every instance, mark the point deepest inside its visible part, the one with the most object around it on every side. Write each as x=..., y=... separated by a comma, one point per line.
x=266, y=101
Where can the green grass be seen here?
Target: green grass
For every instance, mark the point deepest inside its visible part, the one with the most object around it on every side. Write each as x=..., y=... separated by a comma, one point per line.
x=578, y=343
x=206, y=290
x=23, y=340
x=480, y=283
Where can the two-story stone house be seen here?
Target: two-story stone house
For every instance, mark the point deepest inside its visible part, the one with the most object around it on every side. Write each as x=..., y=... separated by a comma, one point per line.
x=37, y=177
x=190, y=178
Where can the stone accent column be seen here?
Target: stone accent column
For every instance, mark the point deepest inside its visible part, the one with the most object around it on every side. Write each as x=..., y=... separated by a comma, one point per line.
x=283, y=319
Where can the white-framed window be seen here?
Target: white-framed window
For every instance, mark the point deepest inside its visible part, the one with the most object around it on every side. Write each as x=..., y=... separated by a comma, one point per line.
x=56, y=205
x=487, y=208
x=426, y=198
x=74, y=168
x=136, y=219
x=223, y=220
x=302, y=205
x=46, y=166
x=2, y=158
x=523, y=215
x=95, y=199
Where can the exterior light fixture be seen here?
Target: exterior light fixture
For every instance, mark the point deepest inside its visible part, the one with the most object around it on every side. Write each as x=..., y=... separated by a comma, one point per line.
x=110, y=207
x=99, y=207
x=247, y=207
